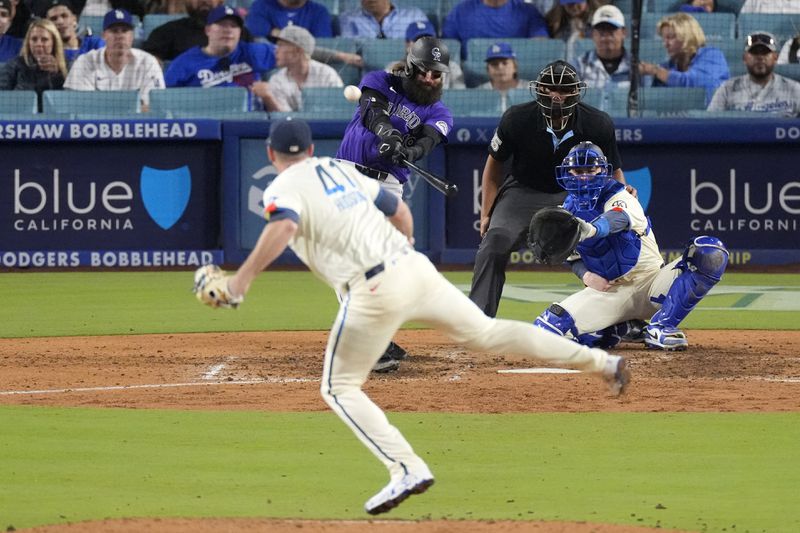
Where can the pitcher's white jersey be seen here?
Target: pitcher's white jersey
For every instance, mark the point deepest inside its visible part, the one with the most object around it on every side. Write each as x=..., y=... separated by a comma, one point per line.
x=333, y=203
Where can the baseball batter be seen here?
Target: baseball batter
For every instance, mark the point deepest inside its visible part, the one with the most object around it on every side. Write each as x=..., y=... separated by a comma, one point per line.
x=619, y=262
x=400, y=117
x=355, y=237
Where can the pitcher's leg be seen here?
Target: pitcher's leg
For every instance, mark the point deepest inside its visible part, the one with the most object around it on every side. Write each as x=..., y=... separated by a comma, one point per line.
x=354, y=345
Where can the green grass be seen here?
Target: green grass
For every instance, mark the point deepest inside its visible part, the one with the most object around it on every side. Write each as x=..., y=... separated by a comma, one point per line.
x=114, y=303
x=714, y=472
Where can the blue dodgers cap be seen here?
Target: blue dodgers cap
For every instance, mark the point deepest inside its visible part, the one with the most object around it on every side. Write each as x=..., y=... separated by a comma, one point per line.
x=117, y=16
x=222, y=11
x=418, y=29
x=289, y=135
x=500, y=50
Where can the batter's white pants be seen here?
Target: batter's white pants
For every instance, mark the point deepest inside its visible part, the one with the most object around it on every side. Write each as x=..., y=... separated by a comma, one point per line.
x=371, y=312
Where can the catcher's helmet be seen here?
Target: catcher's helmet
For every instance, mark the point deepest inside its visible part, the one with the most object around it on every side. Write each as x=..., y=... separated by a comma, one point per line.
x=561, y=77
x=583, y=173
x=428, y=53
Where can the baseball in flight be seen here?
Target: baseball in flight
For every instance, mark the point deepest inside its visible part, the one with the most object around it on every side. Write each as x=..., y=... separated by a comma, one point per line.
x=352, y=93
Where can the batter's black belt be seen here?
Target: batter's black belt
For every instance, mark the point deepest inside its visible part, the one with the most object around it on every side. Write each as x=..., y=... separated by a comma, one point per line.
x=375, y=174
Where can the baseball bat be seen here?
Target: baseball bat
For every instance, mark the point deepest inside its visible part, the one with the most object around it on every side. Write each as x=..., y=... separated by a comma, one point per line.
x=440, y=184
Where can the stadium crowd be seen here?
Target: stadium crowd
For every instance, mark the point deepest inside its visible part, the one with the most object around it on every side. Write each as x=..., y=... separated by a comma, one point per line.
x=278, y=48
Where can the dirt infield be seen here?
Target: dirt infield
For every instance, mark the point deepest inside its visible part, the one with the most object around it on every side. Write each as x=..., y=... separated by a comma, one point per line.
x=279, y=371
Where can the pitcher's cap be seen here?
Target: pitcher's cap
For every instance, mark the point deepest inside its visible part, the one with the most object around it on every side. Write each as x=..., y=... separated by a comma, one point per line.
x=289, y=135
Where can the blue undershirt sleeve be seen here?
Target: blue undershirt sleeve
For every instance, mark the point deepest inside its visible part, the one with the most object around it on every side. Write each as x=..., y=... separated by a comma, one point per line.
x=386, y=202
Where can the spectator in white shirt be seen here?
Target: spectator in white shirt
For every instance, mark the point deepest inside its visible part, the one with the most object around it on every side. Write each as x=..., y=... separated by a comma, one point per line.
x=297, y=70
x=785, y=7
x=790, y=53
x=117, y=66
x=760, y=90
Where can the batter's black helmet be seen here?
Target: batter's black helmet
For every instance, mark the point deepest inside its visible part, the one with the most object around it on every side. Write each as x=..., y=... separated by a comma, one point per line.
x=561, y=77
x=428, y=53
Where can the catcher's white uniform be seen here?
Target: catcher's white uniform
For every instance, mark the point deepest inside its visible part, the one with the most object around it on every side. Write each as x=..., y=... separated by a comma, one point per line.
x=383, y=282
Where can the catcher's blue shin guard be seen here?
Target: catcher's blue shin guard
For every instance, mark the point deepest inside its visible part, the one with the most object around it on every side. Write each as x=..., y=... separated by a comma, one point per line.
x=704, y=261
x=556, y=319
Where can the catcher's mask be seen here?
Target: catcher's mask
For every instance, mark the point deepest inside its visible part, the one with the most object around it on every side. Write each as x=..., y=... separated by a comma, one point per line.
x=427, y=54
x=557, y=90
x=583, y=173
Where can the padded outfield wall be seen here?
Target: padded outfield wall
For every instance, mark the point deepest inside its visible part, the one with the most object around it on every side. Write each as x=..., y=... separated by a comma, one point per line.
x=132, y=193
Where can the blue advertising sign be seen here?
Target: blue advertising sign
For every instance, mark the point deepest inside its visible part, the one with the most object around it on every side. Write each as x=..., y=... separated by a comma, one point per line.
x=109, y=130
x=686, y=189
x=127, y=196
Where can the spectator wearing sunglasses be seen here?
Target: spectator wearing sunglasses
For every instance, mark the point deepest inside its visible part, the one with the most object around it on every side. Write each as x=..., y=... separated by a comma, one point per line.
x=760, y=90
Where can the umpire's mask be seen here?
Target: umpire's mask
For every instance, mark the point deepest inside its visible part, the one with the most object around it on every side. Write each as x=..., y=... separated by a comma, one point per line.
x=557, y=90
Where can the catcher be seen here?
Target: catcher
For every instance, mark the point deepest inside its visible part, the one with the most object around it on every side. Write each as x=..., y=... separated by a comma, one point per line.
x=603, y=233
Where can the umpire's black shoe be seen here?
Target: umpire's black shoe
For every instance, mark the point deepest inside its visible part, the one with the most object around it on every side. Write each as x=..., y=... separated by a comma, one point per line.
x=390, y=360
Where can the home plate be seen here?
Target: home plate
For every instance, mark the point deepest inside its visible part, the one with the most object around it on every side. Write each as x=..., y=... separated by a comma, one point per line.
x=538, y=371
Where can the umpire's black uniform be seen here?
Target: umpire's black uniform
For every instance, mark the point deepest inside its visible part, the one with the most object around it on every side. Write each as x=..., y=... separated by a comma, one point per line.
x=524, y=136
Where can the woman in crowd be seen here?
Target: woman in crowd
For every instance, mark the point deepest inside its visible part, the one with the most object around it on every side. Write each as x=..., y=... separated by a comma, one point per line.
x=691, y=63
x=571, y=18
x=63, y=15
x=40, y=65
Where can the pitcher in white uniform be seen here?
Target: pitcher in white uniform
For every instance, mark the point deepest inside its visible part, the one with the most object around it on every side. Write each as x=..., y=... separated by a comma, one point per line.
x=357, y=238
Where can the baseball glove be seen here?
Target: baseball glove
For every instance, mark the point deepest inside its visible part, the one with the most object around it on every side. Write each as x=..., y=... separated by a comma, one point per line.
x=553, y=235
x=211, y=288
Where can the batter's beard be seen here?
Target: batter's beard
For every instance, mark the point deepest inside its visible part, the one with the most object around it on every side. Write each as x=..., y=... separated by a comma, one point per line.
x=421, y=94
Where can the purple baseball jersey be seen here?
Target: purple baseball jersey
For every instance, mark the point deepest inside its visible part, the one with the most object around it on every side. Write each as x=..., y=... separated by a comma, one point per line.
x=360, y=145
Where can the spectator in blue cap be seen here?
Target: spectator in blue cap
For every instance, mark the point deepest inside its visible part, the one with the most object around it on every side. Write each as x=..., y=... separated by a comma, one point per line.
x=503, y=70
x=423, y=28
x=570, y=19
x=495, y=19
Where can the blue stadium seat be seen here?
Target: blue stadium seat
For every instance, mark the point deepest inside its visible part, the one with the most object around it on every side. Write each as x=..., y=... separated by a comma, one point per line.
x=716, y=26
x=154, y=20
x=626, y=6
x=431, y=8
x=454, y=47
x=733, y=50
x=197, y=102
x=791, y=70
x=473, y=102
x=332, y=5
x=518, y=96
x=326, y=103
x=350, y=75
x=783, y=26
x=671, y=101
x=17, y=103
x=532, y=56
x=97, y=104
x=93, y=22
x=379, y=53
x=652, y=51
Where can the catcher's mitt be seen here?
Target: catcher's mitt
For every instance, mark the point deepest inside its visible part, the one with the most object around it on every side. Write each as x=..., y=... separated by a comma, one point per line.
x=211, y=287
x=553, y=235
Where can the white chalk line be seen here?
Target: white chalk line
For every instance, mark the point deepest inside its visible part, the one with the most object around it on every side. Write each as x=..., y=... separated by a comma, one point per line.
x=159, y=386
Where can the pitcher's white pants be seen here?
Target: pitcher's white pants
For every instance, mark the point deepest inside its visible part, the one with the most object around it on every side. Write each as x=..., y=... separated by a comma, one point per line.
x=372, y=311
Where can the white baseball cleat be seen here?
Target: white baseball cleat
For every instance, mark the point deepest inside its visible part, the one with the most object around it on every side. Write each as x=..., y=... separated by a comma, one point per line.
x=665, y=338
x=398, y=490
x=617, y=374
